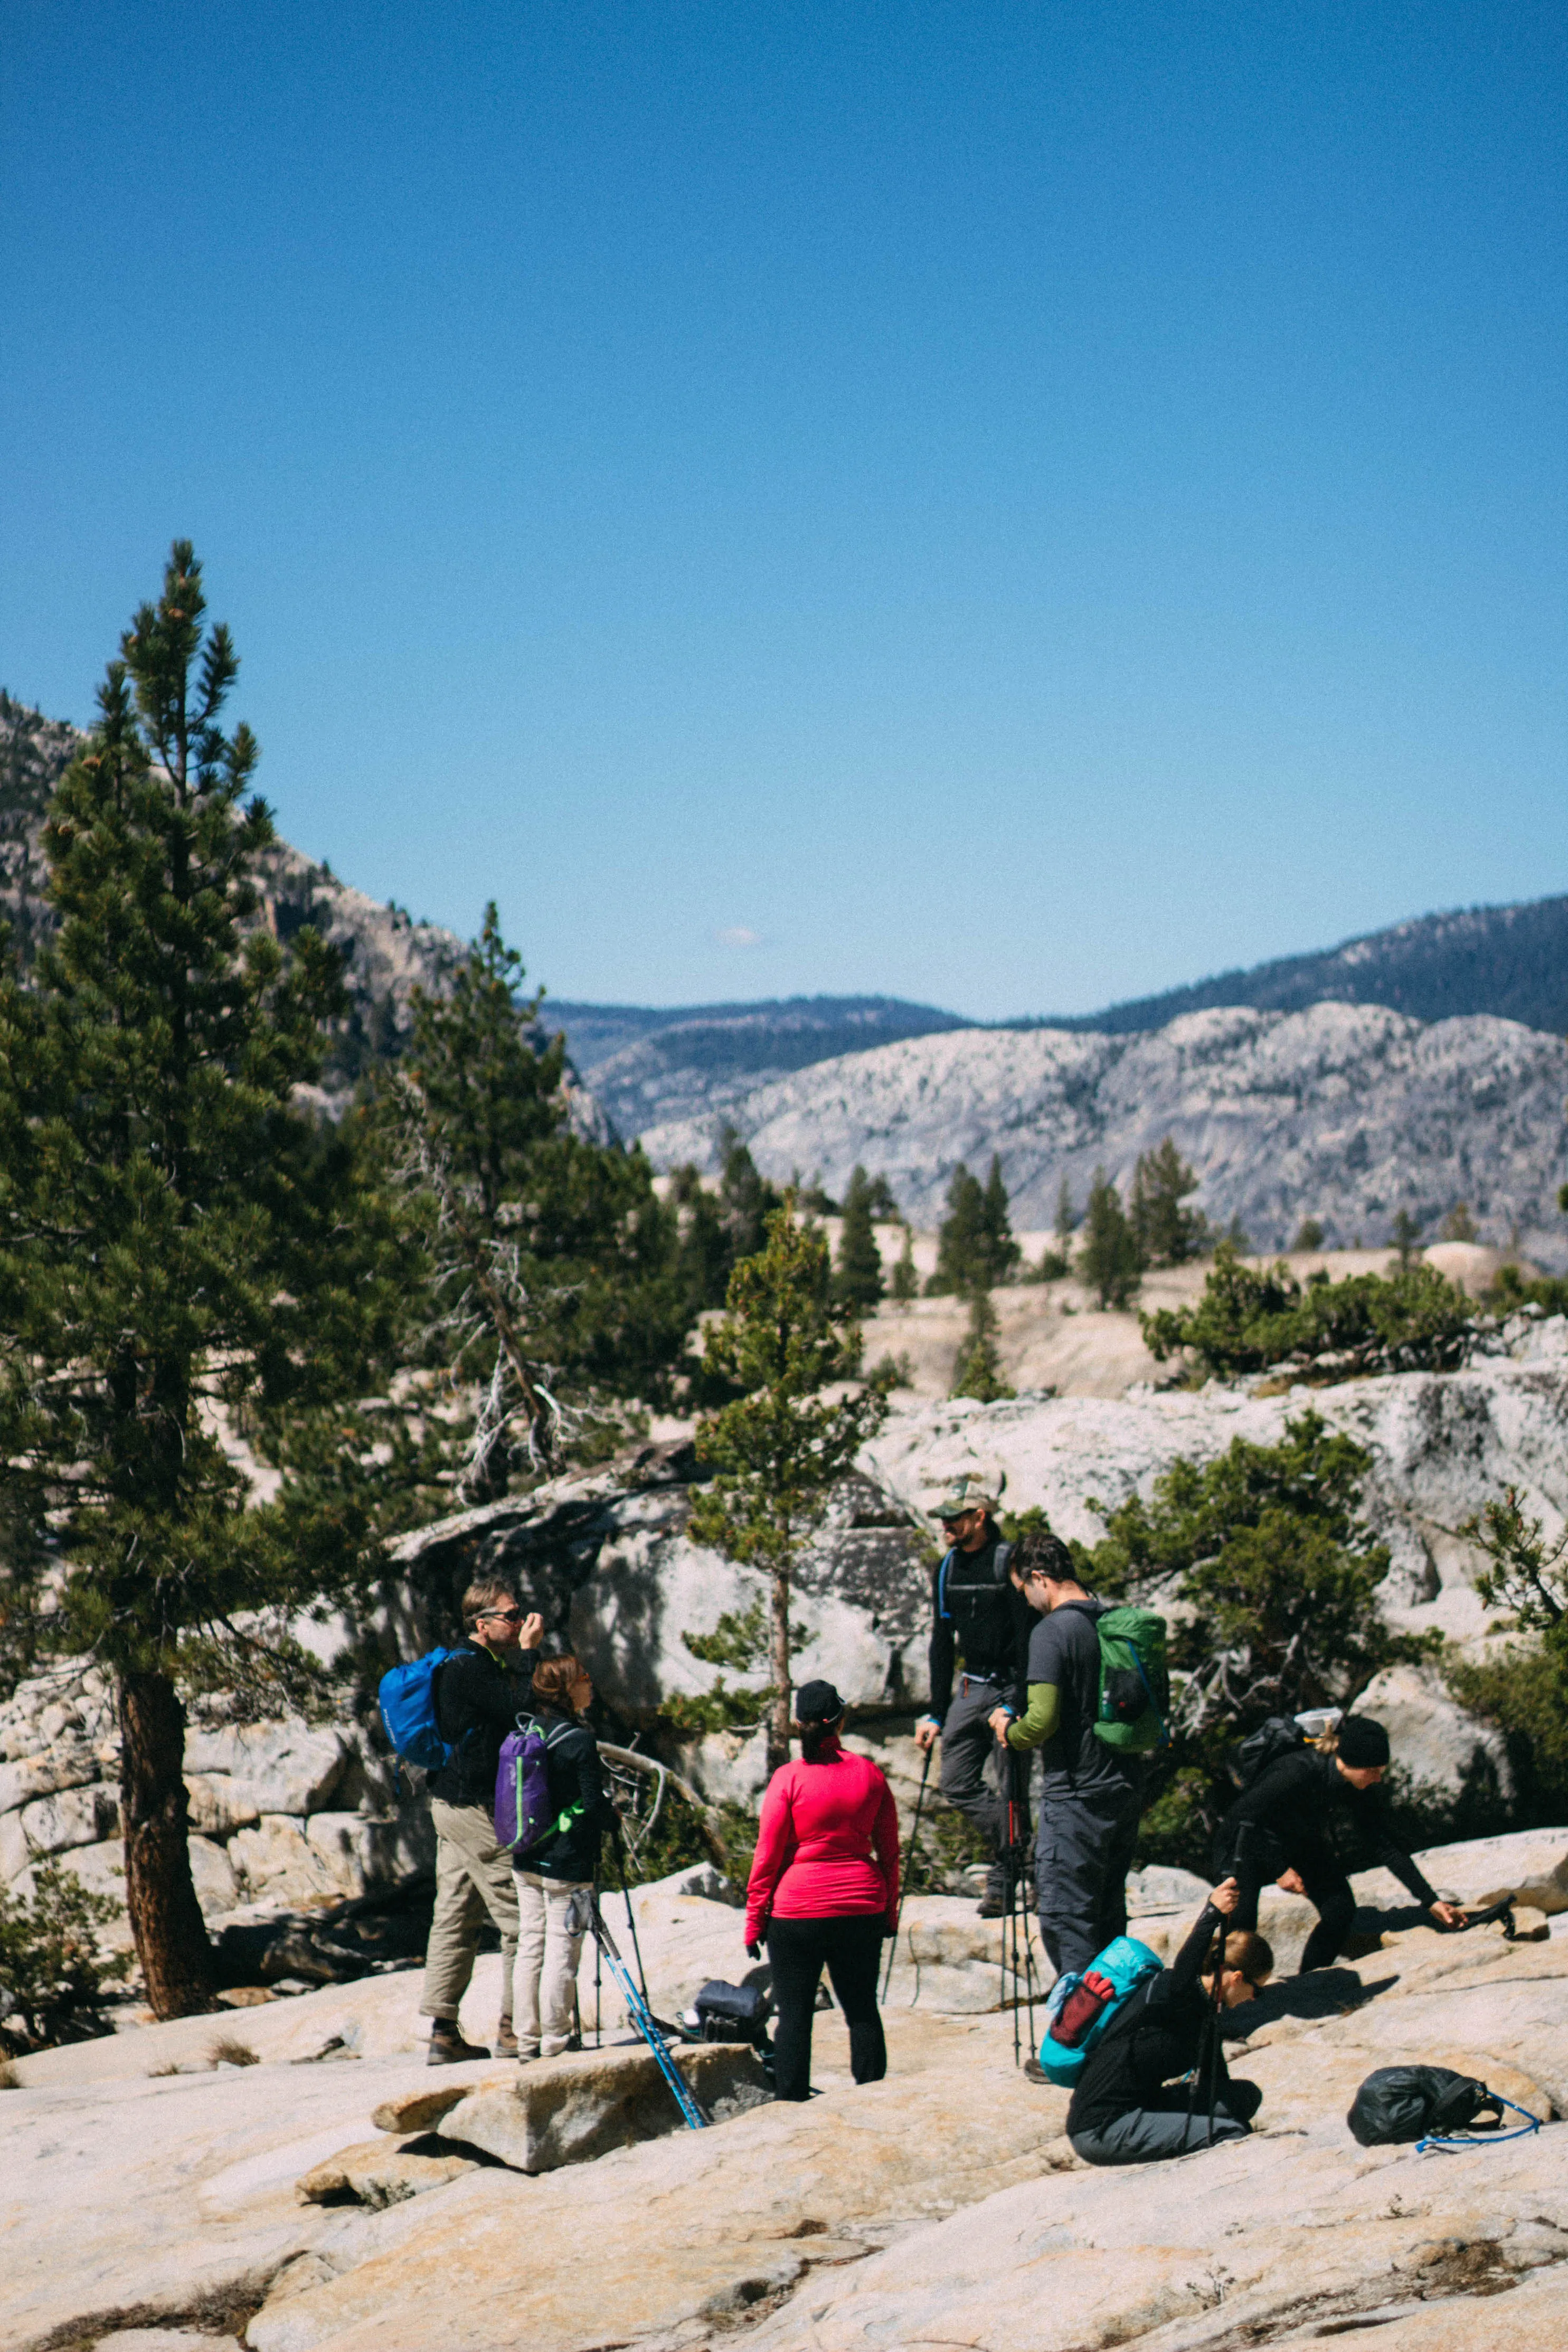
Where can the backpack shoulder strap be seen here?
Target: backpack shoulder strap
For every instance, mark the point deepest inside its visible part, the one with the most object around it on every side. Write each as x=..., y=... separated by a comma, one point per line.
x=1003, y=1554
x=947, y=1558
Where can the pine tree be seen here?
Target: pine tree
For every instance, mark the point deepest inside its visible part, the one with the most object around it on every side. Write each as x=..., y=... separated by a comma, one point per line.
x=780, y=1446
x=960, y=1237
x=858, y=1280
x=1407, y=1239
x=1066, y=1215
x=906, y=1284
x=553, y=1268
x=1001, y=1252
x=1309, y=1236
x=178, y=1247
x=1167, y=1233
x=1108, y=1262
x=977, y=1368
x=1459, y=1225
x=746, y=1199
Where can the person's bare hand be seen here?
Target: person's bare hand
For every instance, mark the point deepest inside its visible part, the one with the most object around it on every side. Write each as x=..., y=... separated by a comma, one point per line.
x=1447, y=1915
x=1226, y=1897
x=999, y=1719
x=533, y=1631
x=926, y=1734
x=1289, y=1883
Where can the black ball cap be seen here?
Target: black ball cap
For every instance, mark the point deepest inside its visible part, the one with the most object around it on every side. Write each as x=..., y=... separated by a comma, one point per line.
x=817, y=1702
x=1362, y=1741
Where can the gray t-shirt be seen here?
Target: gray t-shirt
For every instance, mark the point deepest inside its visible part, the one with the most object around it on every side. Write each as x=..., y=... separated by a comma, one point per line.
x=1064, y=1649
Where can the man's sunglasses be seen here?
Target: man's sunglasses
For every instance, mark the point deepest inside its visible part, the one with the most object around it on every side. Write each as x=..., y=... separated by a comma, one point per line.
x=503, y=1616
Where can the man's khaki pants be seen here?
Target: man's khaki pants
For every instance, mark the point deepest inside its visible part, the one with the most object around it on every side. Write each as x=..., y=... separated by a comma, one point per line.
x=552, y=1915
x=473, y=1875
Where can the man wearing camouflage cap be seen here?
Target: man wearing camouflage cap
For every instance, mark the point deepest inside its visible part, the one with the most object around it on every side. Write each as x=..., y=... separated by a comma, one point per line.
x=978, y=1612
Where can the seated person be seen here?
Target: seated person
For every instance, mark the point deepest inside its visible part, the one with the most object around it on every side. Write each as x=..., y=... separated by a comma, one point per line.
x=1127, y=2108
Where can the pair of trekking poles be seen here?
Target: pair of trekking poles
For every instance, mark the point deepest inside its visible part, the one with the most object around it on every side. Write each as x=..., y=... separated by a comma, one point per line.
x=1018, y=1946
x=607, y=1954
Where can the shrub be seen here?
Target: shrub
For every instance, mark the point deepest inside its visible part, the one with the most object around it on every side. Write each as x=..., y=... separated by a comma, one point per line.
x=53, y=1976
x=1251, y=1318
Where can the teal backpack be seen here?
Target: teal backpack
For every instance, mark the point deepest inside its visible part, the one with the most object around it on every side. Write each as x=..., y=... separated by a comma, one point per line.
x=1134, y=1684
x=1082, y=2004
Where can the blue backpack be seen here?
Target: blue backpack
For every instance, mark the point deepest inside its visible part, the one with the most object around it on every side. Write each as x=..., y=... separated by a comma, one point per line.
x=1083, y=2002
x=523, y=1811
x=407, y=1696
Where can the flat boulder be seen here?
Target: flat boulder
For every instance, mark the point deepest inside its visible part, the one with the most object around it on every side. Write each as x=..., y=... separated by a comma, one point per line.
x=570, y=2109
x=379, y=2172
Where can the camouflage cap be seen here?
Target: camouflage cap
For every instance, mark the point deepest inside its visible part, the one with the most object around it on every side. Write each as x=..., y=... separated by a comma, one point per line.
x=975, y=1490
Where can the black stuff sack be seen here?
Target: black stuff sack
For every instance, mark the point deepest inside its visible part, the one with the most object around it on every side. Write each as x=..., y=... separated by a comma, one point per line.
x=1405, y=2103
x=728, y=2013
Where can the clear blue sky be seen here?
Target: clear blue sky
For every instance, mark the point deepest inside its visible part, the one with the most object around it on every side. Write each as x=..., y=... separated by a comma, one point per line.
x=1015, y=506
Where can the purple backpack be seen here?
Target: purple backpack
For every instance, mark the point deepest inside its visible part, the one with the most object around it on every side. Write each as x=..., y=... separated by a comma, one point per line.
x=523, y=1811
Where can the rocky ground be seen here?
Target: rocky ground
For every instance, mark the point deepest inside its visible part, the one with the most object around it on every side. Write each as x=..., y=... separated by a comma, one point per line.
x=292, y=2175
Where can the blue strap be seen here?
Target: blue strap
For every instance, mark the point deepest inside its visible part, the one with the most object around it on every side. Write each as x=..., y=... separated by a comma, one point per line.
x=1447, y=2144
x=941, y=1608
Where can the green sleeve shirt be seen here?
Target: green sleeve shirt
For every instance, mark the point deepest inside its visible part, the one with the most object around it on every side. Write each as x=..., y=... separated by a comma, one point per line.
x=1041, y=1718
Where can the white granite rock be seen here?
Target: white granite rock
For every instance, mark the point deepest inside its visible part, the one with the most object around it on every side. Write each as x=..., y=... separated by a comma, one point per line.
x=275, y=1863
x=288, y=1768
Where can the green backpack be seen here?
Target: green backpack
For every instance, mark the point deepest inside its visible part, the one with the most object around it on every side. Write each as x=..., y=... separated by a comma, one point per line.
x=1134, y=1684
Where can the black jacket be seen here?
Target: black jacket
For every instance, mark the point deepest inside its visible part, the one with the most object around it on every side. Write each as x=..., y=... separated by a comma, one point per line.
x=582, y=1812
x=981, y=1615
x=1152, y=2042
x=478, y=1701
x=1290, y=1802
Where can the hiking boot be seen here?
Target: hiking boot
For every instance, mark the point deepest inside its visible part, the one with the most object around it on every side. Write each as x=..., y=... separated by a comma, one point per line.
x=506, y=2040
x=993, y=1905
x=447, y=2047
x=1034, y=2073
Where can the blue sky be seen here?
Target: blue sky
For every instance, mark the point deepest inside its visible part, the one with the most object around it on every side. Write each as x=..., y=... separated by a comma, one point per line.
x=1011, y=506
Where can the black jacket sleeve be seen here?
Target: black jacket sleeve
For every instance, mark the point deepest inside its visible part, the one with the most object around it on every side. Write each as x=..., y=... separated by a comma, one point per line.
x=1371, y=1817
x=1187, y=1967
x=941, y=1651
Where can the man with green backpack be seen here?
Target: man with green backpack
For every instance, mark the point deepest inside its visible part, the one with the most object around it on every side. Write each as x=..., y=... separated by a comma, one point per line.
x=1097, y=1700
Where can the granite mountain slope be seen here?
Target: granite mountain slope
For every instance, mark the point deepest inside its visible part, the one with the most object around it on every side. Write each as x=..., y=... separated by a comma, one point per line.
x=1344, y=1112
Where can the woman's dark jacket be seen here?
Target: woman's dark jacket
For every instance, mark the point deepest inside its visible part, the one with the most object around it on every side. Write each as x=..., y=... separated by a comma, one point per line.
x=1290, y=1802
x=582, y=1812
x=1152, y=2039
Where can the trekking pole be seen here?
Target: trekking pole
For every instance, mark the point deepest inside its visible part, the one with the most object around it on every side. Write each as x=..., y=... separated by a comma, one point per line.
x=692, y=2110
x=1208, y=2041
x=631, y=1914
x=904, y=1875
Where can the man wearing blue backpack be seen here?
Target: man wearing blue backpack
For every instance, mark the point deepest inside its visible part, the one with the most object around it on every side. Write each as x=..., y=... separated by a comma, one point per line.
x=477, y=1696
x=1091, y=1791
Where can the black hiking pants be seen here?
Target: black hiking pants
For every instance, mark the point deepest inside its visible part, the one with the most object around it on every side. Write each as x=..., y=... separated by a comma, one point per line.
x=850, y=1948
x=1257, y=1862
x=975, y=1772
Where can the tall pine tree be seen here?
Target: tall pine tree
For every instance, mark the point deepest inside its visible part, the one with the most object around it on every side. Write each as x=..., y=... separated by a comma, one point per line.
x=778, y=1448
x=179, y=1249
x=858, y=1278
x=1110, y=1261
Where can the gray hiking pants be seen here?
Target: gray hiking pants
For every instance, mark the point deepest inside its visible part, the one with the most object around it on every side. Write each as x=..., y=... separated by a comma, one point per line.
x=1082, y=1855
x=973, y=1765
x=1145, y=2135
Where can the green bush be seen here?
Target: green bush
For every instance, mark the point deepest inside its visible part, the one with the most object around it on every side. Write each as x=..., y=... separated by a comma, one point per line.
x=1521, y=1689
x=1250, y=1317
x=1512, y=1291
x=53, y=1976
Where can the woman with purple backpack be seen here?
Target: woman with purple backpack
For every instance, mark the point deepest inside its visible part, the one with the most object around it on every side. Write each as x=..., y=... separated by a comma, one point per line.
x=555, y=1874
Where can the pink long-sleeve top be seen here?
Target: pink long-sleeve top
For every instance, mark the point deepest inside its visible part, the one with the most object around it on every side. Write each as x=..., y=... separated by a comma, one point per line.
x=828, y=1843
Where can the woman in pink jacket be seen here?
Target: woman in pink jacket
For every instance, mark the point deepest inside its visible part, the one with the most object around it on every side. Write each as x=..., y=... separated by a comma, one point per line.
x=824, y=1890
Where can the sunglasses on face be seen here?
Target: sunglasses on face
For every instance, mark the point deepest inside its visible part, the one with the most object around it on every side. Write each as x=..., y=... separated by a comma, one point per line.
x=504, y=1616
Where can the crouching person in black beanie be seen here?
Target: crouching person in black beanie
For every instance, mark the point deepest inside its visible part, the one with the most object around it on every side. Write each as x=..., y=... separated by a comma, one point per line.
x=1279, y=1829
x=1126, y=2108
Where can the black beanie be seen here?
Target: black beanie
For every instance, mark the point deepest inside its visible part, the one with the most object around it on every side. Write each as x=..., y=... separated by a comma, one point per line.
x=817, y=1702
x=1362, y=1742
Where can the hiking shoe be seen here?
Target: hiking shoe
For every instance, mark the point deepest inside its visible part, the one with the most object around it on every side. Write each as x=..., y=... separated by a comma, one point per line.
x=506, y=2040
x=1034, y=2073
x=447, y=2047
x=991, y=1906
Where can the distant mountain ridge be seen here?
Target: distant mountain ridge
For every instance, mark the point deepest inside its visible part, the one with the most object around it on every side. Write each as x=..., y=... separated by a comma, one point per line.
x=1508, y=961
x=647, y=1067
x=1347, y=1113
